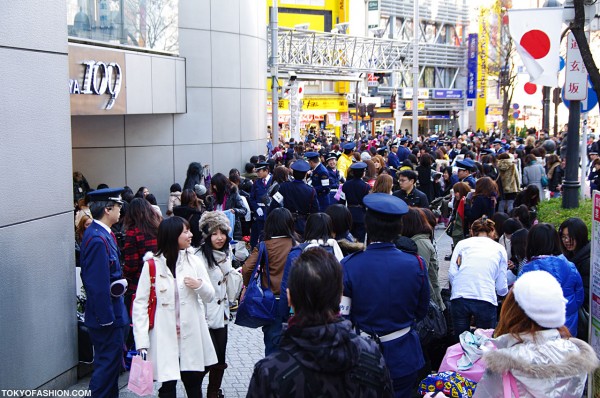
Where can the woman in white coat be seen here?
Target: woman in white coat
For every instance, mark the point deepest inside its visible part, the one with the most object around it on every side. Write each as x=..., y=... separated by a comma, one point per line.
x=179, y=345
x=215, y=254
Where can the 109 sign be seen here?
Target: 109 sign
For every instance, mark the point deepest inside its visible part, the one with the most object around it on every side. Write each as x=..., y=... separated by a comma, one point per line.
x=99, y=78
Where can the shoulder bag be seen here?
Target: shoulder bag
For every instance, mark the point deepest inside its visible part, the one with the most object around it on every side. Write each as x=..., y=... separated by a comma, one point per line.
x=152, y=298
x=258, y=306
x=433, y=326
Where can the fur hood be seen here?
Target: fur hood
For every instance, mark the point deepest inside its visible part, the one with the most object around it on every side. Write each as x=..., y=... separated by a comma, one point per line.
x=350, y=247
x=213, y=220
x=531, y=359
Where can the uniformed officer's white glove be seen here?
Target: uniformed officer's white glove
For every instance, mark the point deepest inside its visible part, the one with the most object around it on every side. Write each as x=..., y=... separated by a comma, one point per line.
x=260, y=212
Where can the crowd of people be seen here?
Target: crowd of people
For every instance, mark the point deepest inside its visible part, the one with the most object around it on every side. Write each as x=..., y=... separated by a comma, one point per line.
x=348, y=230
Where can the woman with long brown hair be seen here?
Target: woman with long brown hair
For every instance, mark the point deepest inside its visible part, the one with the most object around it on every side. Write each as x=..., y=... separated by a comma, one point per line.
x=484, y=199
x=383, y=184
x=536, y=354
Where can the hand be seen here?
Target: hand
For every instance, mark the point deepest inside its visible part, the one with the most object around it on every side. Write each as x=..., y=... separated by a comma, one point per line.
x=232, y=210
x=143, y=352
x=260, y=212
x=511, y=265
x=192, y=283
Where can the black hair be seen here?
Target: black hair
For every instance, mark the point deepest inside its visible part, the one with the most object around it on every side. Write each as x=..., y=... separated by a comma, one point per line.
x=168, y=240
x=298, y=175
x=315, y=287
x=222, y=185
x=280, y=222
x=142, y=216
x=102, y=186
x=127, y=195
x=510, y=226
x=411, y=175
x=193, y=175
x=249, y=167
x=356, y=173
x=382, y=227
x=97, y=208
x=521, y=213
x=151, y=199
x=140, y=192
x=578, y=231
x=499, y=218
x=341, y=219
x=542, y=239
x=318, y=226
x=175, y=188
x=531, y=196
x=518, y=245
x=254, y=159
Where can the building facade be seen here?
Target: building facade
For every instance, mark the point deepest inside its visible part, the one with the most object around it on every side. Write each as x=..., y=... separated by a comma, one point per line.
x=137, y=110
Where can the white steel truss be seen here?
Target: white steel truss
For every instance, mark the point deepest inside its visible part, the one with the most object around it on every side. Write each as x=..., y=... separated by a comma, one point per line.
x=322, y=53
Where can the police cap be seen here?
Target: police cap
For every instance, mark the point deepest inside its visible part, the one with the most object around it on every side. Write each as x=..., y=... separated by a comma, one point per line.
x=301, y=166
x=106, y=195
x=349, y=146
x=465, y=164
x=261, y=165
x=385, y=204
x=311, y=155
x=331, y=155
x=358, y=166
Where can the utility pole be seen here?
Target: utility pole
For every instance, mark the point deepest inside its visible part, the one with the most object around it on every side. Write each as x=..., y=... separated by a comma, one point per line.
x=415, y=71
x=274, y=76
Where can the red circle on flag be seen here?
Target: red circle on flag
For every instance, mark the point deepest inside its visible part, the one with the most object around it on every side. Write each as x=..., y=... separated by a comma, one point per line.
x=530, y=88
x=536, y=43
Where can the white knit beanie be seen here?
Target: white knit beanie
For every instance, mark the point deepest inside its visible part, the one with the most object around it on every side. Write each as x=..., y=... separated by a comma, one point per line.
x=365, y=156
x=539, y=294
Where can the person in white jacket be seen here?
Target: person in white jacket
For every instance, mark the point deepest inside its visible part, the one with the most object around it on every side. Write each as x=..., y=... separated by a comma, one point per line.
x=179, y=345
x=215, y=254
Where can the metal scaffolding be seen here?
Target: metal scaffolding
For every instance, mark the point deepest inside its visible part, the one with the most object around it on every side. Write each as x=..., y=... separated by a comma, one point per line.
x=322, y=53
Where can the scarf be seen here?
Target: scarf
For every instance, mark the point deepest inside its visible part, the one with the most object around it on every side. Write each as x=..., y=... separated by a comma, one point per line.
x=220, y=256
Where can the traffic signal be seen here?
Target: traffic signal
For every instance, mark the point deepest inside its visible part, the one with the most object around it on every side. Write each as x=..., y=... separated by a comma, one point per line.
x=362, y=110
x=371, y=110
x=393, y=102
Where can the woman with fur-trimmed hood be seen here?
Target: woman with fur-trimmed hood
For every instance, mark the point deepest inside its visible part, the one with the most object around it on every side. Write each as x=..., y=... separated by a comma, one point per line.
x=536, y=354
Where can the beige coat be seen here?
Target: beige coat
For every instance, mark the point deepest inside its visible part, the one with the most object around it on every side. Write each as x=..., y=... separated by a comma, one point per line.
x=193, y=350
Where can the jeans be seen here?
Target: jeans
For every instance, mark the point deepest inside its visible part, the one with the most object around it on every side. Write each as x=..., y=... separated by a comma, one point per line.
x=272, y=335
x=506, y=204
x=462, y=309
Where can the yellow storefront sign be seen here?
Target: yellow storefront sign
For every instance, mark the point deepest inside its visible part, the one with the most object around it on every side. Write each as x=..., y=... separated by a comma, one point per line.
x=323, y=104
x=408, y=105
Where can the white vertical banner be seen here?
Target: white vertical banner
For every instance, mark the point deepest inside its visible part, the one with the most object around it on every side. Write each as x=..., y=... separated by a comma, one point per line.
x=374, y=14
x=294, y=105
x=576, y=76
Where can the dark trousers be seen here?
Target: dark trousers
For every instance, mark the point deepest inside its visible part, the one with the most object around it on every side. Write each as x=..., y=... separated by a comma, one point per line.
x=272, y=335
x=108, y=359
x=255, y=231
x=463, y=309
x=192, y=381
x=404, y=386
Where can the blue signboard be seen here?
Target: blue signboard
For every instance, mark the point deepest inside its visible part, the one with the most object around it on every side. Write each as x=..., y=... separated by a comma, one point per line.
x=447, y=94
x=472, y=49
x=587, y=104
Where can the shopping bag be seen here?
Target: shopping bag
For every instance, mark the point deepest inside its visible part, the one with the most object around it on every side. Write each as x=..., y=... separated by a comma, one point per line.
x=140, y=377
x=454, y=361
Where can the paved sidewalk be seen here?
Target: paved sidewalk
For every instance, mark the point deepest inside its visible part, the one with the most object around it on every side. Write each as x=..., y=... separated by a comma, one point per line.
x=245, y=346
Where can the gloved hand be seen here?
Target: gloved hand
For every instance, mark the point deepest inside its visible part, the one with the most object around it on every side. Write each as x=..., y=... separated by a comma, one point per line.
x=260, y=212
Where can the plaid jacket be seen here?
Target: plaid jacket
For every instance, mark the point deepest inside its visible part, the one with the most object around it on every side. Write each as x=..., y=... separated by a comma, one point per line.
x=136, y=245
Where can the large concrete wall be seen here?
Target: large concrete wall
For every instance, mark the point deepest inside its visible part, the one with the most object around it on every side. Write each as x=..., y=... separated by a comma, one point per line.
x=38, y=341
x=225, y=47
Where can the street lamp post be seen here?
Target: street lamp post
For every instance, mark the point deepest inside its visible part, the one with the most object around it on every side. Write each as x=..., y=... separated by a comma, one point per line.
x=415, y=71
x=274, y=73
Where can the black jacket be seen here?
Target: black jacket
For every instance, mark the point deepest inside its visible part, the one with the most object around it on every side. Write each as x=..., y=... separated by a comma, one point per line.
x=326, y=361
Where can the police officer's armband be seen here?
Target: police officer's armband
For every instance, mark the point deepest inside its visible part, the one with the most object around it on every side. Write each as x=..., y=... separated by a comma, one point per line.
x=345, y=305
x=278, y=197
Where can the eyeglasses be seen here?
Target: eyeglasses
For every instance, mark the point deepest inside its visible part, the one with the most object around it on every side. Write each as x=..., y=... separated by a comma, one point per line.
x=565, y=238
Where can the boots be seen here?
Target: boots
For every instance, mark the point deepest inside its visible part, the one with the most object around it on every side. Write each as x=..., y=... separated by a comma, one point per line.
x=215, y=377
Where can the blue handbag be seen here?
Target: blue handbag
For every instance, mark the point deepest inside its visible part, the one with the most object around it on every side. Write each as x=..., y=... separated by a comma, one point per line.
x=259, y=306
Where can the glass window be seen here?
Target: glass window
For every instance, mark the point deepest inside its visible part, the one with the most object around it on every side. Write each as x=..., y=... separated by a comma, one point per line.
x=148, y=24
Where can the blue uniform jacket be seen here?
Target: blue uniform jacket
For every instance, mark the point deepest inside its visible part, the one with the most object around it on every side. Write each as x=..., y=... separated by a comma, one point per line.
x=259, y=197
x=300, y=199
x=322, y=184
x=469, y=180
x=389, y=290
x=355, y=190
x=100, y=266
x=570, y=281
x=393, y=160
x=403, y=153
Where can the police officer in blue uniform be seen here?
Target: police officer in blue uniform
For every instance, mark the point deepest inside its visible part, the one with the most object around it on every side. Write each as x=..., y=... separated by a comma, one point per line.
x=465, y=167
x=319, y=179
x=393, y=161
x=105, y=313
x=335, y=177
x=297, y=196
x=386, y=290
x=259, y=201
x=354, y=190
x=403, y=150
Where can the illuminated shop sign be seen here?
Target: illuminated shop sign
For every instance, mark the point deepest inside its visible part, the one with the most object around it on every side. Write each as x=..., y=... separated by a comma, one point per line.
x=99, y=78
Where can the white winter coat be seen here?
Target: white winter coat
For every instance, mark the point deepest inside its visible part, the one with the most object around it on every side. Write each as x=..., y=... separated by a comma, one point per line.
x=226, y=287
x=193, y=350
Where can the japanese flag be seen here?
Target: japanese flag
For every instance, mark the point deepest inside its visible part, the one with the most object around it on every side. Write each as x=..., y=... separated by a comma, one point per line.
x=536, y=33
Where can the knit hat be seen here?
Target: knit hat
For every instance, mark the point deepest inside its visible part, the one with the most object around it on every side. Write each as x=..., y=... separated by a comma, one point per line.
x=213, y=220
x=539, y=294
x=365, y=156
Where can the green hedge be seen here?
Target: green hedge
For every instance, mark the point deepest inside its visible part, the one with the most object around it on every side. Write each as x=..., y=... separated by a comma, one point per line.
x=551, y=211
